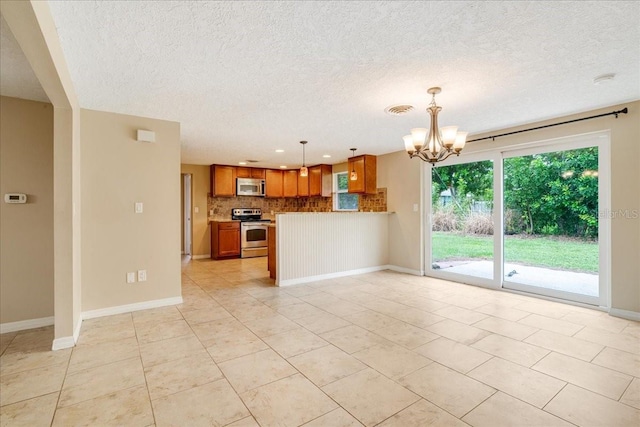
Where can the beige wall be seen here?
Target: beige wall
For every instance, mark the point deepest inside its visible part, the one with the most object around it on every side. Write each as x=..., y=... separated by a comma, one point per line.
x=117, y=171
x=201, y=241
x=402, y=178
x=26, y=230
x=32, y=25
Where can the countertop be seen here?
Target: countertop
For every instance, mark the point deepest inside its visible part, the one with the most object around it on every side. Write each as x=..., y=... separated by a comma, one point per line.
x=221, y=219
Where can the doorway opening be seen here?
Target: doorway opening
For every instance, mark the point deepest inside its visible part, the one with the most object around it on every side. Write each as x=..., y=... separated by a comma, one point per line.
x=186, y=215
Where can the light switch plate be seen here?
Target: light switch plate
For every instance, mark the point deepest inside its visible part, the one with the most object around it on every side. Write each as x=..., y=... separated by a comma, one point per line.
x=196, y=209
x=139, y=207
x=415, y=207
x=142, y=275
x=131, y=277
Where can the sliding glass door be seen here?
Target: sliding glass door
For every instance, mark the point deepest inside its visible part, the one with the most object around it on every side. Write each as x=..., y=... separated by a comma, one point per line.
x=529, y=219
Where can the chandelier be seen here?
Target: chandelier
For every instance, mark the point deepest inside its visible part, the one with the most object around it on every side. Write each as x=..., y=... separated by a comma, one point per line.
x=440, y=143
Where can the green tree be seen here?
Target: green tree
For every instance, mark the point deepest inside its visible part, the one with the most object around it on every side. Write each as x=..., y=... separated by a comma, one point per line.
x=468, y=179
x=555, y=193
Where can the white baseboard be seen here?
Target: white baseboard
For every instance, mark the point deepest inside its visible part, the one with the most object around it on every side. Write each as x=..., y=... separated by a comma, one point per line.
x=625, y=314
x=201, y=256
x=308, y=279
x=405, y=270
x=128, y=308
x=62, y=343
x=25, y=324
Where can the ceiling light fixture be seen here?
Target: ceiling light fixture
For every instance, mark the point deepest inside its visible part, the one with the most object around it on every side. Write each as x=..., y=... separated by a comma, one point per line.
x=441, y=143
x=242, y=163
x=283, y=167
x=326, y=156
x=303, y=170
x=279, y=151
x=354, y=175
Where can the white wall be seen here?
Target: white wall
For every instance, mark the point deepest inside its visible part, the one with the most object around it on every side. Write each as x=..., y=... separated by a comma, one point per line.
x=314, y=246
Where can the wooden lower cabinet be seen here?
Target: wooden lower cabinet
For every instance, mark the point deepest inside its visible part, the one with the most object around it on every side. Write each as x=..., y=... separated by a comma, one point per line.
x=225, y=239
x=271, y=254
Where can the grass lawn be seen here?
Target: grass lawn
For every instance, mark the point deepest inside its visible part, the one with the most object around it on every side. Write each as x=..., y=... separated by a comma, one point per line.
x=535, y=251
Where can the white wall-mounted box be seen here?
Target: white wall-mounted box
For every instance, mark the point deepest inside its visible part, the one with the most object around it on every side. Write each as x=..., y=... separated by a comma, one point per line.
x=146, y=136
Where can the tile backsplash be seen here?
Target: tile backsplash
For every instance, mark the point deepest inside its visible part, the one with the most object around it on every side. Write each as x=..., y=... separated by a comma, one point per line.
x=221, y=206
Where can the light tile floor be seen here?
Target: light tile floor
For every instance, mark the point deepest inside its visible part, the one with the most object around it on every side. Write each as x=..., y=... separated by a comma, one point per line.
x=383, y=348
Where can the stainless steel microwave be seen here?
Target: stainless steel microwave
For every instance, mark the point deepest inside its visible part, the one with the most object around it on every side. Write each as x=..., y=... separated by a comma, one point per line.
x=250, y=187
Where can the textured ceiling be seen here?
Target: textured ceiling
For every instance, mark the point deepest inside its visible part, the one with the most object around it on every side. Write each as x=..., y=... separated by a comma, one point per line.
x=16, y=76
x=246, y=78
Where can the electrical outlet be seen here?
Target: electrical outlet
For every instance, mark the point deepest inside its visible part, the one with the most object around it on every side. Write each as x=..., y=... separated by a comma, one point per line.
x=131, y=277
x=142, y=275
x=415, y=207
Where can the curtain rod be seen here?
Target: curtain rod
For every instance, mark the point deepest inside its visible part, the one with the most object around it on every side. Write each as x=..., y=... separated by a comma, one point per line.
x=623, y=111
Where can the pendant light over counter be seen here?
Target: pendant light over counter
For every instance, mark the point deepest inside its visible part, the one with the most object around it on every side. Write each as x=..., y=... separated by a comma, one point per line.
x=354, y=174
x=303, y=170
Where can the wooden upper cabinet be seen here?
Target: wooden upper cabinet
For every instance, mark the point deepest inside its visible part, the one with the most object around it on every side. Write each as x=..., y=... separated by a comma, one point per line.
x=245, y=172
x=257, y=173
x=290, y=183
x=223, y=181
x=303, y=185
x=366, y=169
x=320, y=180
x=273, y=183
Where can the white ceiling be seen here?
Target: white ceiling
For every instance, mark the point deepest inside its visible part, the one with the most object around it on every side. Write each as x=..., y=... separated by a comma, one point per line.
x=17, y=79
x=246, y=78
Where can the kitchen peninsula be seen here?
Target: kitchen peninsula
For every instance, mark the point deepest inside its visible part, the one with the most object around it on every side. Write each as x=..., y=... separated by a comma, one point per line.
x=316, y=246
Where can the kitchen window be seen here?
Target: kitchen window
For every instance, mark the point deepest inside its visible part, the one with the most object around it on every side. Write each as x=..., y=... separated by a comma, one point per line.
x=343, y=200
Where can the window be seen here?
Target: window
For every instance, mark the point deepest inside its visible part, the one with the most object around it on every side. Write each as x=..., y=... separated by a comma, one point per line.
x=343, y=201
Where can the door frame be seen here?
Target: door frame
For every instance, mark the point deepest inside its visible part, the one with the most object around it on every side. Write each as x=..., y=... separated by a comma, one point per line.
x=187, y=213
x=600, y=139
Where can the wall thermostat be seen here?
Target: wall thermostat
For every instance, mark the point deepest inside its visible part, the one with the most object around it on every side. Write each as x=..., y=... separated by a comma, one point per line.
x=15, y=198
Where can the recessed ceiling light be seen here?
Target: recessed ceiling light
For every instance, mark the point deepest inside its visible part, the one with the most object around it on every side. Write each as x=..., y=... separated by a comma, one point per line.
x=283, y=167
x=242, y=163
x=279, y=151
x=398, y=110
x=605, y=78
x=326, y=156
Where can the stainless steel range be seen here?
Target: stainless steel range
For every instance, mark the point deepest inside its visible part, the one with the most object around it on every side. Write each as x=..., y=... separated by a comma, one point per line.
x=253, y=231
